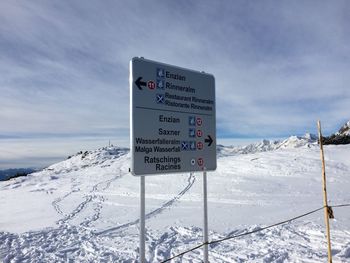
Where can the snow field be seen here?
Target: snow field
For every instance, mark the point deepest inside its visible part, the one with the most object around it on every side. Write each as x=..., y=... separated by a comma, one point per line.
x=87, y=209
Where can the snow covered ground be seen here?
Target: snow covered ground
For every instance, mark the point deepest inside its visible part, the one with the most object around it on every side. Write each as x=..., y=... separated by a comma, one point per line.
x=86, y=209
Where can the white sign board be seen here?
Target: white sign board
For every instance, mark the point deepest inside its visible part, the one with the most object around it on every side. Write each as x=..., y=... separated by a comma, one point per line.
x=173, y=125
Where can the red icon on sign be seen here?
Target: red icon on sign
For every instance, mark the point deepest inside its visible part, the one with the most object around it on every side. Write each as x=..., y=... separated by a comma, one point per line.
x=199, y=145
x=199, y=133
x=151, y=84
x=199, y=121
x=200, y=161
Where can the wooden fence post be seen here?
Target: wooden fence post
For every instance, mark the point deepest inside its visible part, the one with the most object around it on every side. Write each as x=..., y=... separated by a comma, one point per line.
x=325, y=202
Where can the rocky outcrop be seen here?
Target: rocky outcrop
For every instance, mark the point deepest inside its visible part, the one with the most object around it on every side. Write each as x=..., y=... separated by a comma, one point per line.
x=340, y=137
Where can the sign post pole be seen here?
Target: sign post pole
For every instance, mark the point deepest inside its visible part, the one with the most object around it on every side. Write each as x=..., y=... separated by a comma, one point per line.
x=205, y=221
x=142, y=220
x=172, y=127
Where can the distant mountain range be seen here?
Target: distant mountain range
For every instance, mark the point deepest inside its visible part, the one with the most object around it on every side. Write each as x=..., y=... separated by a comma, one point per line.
x=16, y=172
x=308, y=140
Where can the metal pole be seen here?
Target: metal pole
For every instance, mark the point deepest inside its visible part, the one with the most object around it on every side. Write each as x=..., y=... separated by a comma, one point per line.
x=205, y=221
x=325, y=202
x=142, y=220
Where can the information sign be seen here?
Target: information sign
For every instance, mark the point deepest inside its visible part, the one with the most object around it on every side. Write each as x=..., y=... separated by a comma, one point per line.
x=173, y=125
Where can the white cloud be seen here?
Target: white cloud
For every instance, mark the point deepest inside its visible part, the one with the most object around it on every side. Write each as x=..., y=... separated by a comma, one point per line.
x=279, y=66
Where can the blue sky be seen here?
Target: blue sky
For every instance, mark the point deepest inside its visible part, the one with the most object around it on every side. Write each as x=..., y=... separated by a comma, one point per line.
x=279, y=66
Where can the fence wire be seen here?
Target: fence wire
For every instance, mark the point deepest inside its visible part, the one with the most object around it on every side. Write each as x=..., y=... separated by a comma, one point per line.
x=252, y=232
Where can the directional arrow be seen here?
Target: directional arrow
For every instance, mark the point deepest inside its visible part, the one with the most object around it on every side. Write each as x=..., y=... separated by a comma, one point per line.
x=139, y=83
x=209, y=140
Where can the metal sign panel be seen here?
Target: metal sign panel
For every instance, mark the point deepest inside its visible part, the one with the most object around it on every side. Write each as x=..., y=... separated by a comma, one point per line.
x=173, y=125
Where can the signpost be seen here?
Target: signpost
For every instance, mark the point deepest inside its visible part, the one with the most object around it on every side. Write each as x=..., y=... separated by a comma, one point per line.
x=173, y=125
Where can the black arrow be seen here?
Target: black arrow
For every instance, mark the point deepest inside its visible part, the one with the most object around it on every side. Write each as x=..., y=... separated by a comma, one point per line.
x=209, y=140
x=139, y=83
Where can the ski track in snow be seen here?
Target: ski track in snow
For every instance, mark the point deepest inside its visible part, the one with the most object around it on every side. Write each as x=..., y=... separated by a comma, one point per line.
x=67, y=243
x=56, y=245
x=101, y=186
x=191, y=179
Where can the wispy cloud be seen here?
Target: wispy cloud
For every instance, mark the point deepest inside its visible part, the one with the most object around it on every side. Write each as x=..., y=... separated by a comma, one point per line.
x=279, y=66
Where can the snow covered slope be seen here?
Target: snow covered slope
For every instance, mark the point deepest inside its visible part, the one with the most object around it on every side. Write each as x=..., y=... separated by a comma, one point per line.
x=86, y=208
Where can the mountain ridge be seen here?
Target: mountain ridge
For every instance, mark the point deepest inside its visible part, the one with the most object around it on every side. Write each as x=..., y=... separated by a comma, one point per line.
x=342, y=136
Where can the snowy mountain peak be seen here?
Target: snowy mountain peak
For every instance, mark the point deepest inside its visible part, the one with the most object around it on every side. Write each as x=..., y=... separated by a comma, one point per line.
x=344, y=130
x=340, y=137
x=298, y=141
x=101, y=157
x=311, y=137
